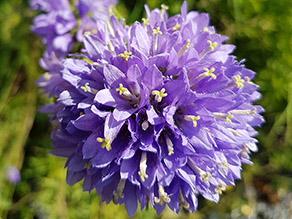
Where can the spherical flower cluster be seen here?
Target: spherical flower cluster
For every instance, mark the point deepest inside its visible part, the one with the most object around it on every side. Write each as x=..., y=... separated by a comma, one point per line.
x=157, y=112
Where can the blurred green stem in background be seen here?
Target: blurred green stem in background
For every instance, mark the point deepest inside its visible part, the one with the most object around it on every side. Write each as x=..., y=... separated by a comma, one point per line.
x=18, y=93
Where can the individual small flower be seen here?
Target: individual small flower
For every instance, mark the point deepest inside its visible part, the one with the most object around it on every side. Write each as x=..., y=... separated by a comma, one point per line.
x=54, y=25
x=91, y=13
x=13, y=175
x=157, y=112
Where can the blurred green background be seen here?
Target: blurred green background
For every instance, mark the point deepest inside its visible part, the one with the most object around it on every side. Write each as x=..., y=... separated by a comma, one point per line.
x=262, y=32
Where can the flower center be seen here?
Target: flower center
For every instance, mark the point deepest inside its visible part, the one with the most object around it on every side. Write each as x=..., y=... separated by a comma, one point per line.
x=126, y=55
x=210, y=48
x=106, y=143
x=192, y=118
x=86, y=88
x=238, y=81
x=159, y=94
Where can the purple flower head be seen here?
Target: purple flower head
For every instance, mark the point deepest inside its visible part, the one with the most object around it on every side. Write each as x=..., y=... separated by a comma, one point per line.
x=157, y=112
x=13, y=175
x=55, y=25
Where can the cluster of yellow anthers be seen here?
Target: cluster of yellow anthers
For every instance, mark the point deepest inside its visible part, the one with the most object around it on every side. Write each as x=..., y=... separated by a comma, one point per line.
x=238, y=81
x=126, y=55
x=145, y=21
x=229, y=117
x=192, y=118
x=206, y=29
x=220, y=188
x=212, y=45
x=122, y=89
x=87, y=88
x=210, y=48
x=159, y=94
x=156, y=31
x=163, y=196
x=106, y=143
x=209, y=73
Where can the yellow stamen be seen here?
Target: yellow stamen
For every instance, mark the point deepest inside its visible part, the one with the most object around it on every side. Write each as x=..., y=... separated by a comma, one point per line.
x=157, y=31
x=182, y=201
x=238, y=81
x=159, y=94
x=244, y=148
x=176, y=27
x=205, y=176
x=248, y=80
x=85, y=87
x=212, y=45
x=47, y=76
x=209, y=73
x=163, y=196
x=192, y=118
x=143, y=167
x=184, y=48
x=219, y=189
x=89, y=89
x=106, y=143
x=86, y=33
x=169, y=145
x=229, y=117
x=145, y=21
x=233, y=131
x=126, y=55
x=90, y=62
x=164, y=7
x=87, y=165
x=206, y=29
x=143, y=175
x=122, y=89
x=223, y=165
x=245, y=151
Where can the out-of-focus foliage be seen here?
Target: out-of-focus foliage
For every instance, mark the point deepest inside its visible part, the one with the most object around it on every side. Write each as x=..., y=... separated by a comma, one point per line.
x=262, y=31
